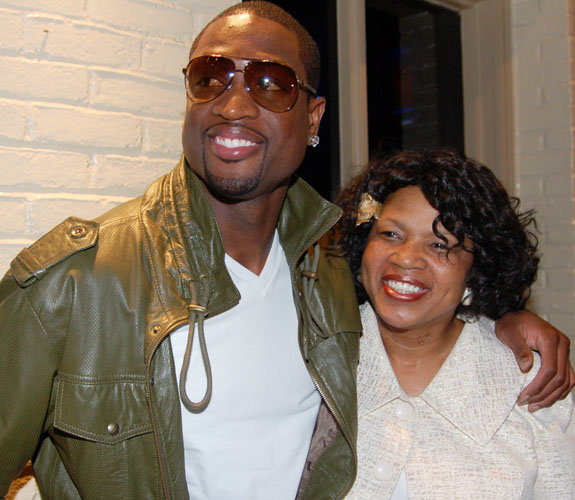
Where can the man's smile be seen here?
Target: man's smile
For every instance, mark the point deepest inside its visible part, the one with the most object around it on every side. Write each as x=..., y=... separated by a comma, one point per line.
x=233, y=143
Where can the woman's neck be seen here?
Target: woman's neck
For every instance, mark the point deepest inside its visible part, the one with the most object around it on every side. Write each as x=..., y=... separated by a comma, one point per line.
x=416, y=356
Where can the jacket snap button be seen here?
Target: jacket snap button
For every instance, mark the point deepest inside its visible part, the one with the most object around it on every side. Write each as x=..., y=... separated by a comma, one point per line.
x=156, y=330
x=78, y=232
x=113, y=429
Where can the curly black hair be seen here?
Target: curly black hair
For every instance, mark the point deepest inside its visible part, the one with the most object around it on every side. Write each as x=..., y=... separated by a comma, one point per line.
x=308, y=51
x=471, y=202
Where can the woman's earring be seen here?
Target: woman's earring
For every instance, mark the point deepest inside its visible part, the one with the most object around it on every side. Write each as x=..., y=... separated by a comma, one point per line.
x=313, y=141
x=467, y=298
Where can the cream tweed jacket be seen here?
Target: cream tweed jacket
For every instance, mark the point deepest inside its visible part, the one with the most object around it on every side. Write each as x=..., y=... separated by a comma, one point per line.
x=464, y=437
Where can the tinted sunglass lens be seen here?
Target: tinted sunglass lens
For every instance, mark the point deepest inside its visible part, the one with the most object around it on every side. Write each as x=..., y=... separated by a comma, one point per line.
x=208, y=77
x=272, y=85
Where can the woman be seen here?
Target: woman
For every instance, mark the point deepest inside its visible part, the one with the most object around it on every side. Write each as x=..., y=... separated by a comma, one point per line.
x=439, y=253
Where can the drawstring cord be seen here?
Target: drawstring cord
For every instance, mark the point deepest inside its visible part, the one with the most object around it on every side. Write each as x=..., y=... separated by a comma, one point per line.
x=309, y=277
x=196, y=312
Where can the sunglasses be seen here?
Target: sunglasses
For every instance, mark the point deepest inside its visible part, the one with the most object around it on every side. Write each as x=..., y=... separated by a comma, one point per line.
x=271, y=84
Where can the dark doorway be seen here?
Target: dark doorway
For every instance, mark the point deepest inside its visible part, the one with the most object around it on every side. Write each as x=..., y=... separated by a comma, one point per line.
x=321, y=164
x=415, y=96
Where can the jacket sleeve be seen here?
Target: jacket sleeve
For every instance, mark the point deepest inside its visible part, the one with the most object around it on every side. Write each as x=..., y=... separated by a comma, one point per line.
x=27, y=367
x=554, y=430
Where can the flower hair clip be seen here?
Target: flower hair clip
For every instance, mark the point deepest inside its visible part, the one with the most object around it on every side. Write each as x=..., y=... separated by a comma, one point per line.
x=368, y=208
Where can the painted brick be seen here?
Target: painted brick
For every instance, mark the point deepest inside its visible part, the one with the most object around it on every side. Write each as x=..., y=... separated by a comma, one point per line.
x=560, y=233
x=527, y=55
x=14, y=219
x=558, y=253
x=545, y=164
x=554, y=8
x=13, y=120
x=7, y=252
x=565, y=322
x=165, y=58
x=552, y=209
x=153, y=17
x=558, y=140
x=136, y=94
x=542, y=74
x=526, y=14
x=37, y=170
x=558, y=96
x=128, y=176
x=69, y=8
x=522, y=3
x=531, y=142
x=86, y=128
x=543, y=29
x=205, y=14
x=556, y=186
x=561, y=279
x=63, y=45
x=210, y=8
x=555, y=50
x=529, y=98
x=52, y=38
x=531, y=187
x=12, y=30
x=544, y=118
x=162, y=137
x=552, y=302
x=32, y=79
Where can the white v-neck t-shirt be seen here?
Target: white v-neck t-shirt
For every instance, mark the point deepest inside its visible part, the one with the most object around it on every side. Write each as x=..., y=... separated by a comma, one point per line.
x=252, y=441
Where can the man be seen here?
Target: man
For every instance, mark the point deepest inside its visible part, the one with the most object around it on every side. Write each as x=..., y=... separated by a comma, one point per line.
x=98, y=318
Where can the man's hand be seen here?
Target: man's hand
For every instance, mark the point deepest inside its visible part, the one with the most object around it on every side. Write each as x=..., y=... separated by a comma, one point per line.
x=523, y=331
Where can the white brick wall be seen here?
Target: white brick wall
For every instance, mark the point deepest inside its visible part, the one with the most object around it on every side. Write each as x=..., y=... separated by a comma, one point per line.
x=542, y=34
x=91, y=105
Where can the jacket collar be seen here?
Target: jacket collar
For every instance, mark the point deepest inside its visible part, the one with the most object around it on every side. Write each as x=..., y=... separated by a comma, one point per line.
x=183, y=242
x=479, y=377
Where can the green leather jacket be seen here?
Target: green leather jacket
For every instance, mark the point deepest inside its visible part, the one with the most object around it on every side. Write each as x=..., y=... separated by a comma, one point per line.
x=88, y=386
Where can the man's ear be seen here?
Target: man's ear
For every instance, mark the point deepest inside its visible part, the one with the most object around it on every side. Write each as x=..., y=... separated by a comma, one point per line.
x=316, y=107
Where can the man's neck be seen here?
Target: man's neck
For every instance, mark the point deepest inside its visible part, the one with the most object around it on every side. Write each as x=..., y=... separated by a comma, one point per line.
x=248, y=227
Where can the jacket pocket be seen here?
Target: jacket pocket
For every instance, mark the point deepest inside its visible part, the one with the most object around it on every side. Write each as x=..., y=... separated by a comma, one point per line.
x=104, y=412
x=103, y=433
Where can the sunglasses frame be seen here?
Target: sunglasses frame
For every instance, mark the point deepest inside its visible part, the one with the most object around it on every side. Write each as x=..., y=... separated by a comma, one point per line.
x=300, y=83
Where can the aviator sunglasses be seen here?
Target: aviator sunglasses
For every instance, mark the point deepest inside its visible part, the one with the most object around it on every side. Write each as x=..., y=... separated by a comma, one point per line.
x=271, y=84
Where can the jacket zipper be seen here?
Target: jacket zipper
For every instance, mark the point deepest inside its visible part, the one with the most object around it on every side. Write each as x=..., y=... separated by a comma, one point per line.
x=313, y=376
x=337, y=419
x=159, y=449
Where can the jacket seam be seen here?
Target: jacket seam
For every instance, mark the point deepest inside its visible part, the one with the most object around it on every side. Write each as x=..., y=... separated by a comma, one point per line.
x=90, y=380
x=118, y=220
x=53, y=351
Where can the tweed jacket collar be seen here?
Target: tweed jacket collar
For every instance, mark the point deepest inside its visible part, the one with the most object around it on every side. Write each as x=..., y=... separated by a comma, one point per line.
x=480, y=373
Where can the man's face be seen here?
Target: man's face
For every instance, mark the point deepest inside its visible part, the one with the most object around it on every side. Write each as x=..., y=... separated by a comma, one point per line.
x=238, y=148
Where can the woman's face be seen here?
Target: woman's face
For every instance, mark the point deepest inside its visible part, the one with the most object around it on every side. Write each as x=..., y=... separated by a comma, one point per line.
x=406, y=271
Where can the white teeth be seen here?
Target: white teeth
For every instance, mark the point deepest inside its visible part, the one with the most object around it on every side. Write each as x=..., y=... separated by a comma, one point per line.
x=405, y=288
x=233, y=143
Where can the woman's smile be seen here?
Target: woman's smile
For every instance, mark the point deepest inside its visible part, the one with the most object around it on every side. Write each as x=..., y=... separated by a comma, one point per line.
x=403, y=289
